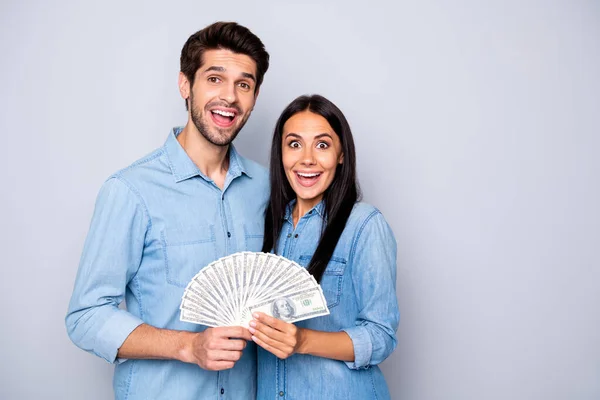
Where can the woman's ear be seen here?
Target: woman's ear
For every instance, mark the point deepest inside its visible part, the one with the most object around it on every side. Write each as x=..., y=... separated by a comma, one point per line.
x=341, y=159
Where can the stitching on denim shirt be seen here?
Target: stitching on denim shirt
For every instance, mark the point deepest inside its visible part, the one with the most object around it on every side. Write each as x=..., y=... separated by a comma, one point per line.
x=137, y=194
x=139, y=293
x=129, y=379
x=373, y=383
x=360, y=231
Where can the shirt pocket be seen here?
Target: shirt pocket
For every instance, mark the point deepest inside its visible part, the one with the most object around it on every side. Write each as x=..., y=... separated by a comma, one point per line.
x=254, y=234
x=332, y=279
x=187, y=251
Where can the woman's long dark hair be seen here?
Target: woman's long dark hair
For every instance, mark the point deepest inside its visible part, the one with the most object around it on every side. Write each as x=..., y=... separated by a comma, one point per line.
x=340, y=196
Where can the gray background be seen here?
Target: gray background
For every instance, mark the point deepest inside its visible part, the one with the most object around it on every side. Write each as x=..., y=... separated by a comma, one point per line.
x=477, y=128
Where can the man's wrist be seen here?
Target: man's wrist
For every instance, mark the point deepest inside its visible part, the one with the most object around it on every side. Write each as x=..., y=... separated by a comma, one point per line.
x=185, y=352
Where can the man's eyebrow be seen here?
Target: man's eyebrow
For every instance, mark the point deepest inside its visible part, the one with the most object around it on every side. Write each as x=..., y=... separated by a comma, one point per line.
x=218, y=68
x=249, y=76
x=215, y=68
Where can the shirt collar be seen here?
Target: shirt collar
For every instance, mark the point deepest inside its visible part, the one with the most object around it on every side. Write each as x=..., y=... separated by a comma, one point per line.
x=184, y=168
x=318, y=209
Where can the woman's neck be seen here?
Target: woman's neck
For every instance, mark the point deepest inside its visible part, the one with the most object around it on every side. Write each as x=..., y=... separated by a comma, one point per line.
x=302, y=207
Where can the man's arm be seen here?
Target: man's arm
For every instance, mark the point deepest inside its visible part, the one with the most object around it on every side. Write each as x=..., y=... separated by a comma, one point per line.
x=214, y=349
x=111, y=257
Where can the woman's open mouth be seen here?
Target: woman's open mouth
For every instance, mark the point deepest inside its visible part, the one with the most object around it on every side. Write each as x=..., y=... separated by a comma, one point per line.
x=307, y=179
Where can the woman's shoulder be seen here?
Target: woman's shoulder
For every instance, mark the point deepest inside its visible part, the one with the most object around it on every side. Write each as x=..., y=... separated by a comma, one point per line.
x=367, y=226
x=363, y=211
x=363, y=214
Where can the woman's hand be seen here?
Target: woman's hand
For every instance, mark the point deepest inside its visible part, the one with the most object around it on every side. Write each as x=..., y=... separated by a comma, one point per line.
x=274, y=335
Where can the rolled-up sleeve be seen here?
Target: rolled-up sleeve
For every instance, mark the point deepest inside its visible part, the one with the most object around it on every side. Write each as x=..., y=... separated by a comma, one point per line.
x=111, y=257
x=373, y=272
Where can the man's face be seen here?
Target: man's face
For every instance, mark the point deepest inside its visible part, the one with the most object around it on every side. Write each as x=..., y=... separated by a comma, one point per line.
x=283, y=308
x=223, y=95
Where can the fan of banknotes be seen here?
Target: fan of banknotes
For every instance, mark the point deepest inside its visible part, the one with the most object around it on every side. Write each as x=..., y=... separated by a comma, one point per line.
x=227, y=291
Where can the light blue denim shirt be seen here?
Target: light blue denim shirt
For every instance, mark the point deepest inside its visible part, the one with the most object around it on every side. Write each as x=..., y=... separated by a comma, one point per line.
x=155, y=225
x=360, y=287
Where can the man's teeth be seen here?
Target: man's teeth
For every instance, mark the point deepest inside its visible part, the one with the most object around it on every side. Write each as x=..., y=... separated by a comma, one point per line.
x=224, y=113
x=309, y=175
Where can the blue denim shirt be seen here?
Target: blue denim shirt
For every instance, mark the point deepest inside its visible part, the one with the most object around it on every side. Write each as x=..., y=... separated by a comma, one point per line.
x=155, y=225
x=360, y=287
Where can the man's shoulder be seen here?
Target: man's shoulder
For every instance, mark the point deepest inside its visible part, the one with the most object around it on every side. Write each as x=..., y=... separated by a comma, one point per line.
x=143, y=168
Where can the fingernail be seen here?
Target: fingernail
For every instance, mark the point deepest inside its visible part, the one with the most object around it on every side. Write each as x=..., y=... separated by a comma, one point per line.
x=255, y=315
x=252, y=330
x=254, y=338
x=252, y=323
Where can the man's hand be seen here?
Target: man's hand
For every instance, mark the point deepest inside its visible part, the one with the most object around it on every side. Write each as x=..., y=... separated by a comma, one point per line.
x=216, y=349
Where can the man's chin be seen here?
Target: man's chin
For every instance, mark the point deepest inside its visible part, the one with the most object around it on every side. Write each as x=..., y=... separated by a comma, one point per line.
x=220, y=139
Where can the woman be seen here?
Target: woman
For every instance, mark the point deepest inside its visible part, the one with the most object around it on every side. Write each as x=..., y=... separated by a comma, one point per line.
x=314, y=219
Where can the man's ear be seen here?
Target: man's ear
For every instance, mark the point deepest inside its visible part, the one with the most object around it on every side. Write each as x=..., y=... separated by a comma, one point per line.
x=184, y=86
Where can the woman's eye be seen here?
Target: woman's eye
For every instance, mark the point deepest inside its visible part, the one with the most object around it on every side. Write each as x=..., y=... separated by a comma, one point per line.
x=322, y=145
x=294, y=144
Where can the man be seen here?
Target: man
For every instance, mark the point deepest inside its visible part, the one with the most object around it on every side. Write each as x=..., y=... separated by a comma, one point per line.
x=159, y=221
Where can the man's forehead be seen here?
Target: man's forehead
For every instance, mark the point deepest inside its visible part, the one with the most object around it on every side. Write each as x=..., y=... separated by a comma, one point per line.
x=227, y=61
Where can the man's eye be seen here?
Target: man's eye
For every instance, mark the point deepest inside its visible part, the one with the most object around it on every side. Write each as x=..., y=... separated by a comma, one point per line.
x=244, y=85
x=214, y=79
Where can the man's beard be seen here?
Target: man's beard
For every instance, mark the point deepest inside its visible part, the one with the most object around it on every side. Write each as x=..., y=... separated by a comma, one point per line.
x=220, y=137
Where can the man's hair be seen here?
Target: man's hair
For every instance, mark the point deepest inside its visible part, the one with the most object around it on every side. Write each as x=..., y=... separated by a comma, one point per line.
x=223, y=36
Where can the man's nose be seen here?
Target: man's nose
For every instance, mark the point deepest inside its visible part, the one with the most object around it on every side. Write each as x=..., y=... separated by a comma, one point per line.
x=228, y=93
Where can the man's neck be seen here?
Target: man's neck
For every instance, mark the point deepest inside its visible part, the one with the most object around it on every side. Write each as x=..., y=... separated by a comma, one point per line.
x=211, y=160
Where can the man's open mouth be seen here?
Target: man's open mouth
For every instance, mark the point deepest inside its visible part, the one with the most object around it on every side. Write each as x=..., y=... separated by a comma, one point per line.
x=223, y=118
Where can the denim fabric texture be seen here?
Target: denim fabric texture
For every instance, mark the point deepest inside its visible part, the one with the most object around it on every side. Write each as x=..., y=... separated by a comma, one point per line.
x=359, y=285
x=155, y=225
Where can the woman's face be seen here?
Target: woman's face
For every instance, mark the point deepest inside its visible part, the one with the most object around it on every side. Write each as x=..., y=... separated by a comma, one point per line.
x=311, y=152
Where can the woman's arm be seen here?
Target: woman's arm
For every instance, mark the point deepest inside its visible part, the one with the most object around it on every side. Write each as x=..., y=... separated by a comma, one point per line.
x=284, y=339
x=373, y=336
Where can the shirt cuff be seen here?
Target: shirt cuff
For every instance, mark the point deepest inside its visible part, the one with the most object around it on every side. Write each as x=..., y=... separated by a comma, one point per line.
x=112, y=335
x=363, y=348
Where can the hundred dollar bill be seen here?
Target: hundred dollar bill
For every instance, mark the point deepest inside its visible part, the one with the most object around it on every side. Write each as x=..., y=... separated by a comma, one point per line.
x=192, y=303
x=261, y=264
x=190, y=316
x=294, y=282
x=294, y=307
x=217, y=282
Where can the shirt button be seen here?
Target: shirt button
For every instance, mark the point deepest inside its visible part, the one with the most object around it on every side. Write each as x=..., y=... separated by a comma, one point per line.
x=281, y=394
x=289, y=235
x=228, y=234
x=296, y=235
x=222, y=391
x=310, y=212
